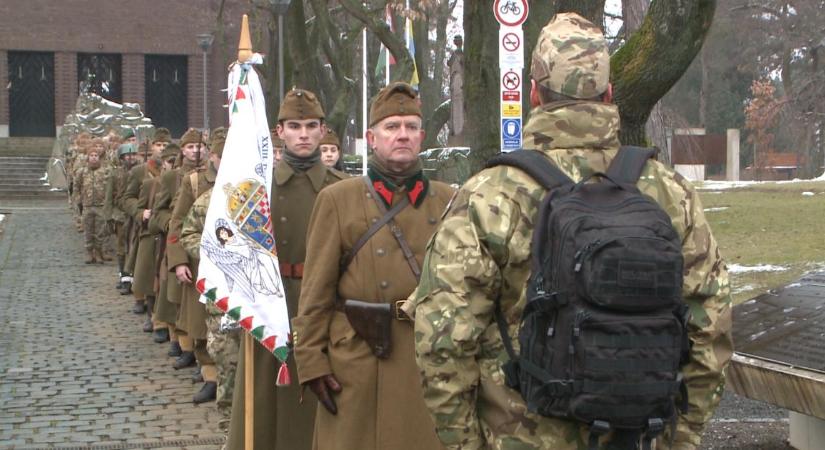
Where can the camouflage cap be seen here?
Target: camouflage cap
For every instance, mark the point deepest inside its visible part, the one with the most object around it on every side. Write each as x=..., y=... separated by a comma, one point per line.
x=396, y=99
x=330, y=139
x=571, y=57
x=162, y=135
x=300, y=104
x=191, y=136
x=126, y=149
x=171, y=151
x=217, y=140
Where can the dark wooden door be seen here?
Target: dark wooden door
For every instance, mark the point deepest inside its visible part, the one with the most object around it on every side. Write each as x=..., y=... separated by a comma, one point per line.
x=31, y=94
x=103, y=71
x=166, y=92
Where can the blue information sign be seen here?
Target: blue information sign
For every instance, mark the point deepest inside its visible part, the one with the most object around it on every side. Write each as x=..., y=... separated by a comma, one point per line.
x=510, y=134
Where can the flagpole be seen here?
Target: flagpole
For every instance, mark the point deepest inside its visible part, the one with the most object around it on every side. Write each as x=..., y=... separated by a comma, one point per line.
x=364, y=100
x=387, y=55
x=245, y=54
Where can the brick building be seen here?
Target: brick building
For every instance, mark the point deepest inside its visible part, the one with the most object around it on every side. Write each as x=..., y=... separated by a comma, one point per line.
x=143, y=52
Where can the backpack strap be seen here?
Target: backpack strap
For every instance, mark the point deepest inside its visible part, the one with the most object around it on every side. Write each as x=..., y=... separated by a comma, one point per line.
x=534, y=164
x=627, y=165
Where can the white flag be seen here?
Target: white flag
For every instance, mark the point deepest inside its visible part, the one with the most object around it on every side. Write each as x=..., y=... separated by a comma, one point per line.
x=239, y=269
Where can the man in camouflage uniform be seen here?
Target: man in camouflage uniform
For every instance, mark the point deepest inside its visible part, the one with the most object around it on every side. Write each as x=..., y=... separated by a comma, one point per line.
x=223, y=345
x=116, y=218
x=90, y=184
x=482, y=252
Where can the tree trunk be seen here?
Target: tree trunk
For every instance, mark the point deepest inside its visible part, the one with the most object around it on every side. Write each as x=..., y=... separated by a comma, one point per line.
x=592, y=10
x=654, y=59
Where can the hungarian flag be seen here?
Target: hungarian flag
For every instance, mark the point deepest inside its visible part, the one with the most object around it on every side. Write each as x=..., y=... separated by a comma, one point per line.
x=238, y=269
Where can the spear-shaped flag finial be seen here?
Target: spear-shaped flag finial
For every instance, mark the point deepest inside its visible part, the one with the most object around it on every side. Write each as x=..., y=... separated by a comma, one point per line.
x=245, y=44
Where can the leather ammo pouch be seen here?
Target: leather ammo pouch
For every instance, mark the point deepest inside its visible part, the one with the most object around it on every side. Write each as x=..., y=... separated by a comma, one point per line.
x=373, y=323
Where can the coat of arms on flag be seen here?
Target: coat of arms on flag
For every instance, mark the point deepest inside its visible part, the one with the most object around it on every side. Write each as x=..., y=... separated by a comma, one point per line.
x=239, y=269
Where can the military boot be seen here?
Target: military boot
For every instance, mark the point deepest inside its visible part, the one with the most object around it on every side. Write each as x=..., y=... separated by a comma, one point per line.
x=99, y=254
x=174, y=349
x=90, y=257
x=160, y=335
x=186, y=359
x=140, y=307
x=126, y=279
x=207, y=393
x=120, y=263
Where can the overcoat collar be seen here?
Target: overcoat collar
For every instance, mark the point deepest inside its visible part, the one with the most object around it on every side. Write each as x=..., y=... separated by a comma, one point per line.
x=317, y=174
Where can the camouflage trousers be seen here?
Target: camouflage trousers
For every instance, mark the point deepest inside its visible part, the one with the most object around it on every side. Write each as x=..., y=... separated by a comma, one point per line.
x=224, y=348
x=94, y=227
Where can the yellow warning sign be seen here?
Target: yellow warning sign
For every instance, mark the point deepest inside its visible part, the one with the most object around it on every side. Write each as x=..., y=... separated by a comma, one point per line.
x=511, y=109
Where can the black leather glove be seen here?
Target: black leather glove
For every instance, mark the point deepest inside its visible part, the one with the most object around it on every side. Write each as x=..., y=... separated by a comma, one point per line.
x=321, y=387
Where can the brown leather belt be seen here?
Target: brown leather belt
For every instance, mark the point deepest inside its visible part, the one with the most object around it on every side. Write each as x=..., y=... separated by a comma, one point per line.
x=292, y=270
x=395, y=309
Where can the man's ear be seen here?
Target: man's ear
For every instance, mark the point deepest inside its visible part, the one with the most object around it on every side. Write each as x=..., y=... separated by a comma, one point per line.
x=534, y=94
x=370, y=138
x=279, y=130
x=607, y=97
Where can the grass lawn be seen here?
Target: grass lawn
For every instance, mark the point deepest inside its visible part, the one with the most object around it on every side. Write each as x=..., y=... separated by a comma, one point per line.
x=779, y=224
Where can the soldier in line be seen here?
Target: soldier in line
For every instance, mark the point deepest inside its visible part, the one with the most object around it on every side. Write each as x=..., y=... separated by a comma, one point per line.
x=331, y=151
x=116, y=219
x=222, y=345
x=482, y=252
x=281, y=420
x=78, y=162
x=191, y=322
x=277, y=147
x=90, y=185
x=367, y=381
x=136, y=204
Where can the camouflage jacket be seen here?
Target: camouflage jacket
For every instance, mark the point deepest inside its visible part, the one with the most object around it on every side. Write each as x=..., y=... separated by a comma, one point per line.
x=90, y=185
x=482, y=252
x=192, y=228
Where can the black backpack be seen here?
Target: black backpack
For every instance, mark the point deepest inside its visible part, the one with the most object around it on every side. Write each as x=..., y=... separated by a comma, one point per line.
x=604, y=332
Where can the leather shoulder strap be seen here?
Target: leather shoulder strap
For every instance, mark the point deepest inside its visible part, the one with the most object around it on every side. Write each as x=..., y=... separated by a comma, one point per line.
x=627, y=165
x=388, y=216
x=193, y=180
x=534, y=164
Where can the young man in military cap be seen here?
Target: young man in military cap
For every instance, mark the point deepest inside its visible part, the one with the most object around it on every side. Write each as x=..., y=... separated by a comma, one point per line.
x=137, y=204
x=365, y=245
x=482, y=252
x=116, y=218
x=190, y=325
x=331, y=151
x=90, y=183
x=277, y=147
x=281, y=420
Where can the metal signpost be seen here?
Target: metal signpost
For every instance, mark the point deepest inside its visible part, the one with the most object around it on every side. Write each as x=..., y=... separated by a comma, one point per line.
x=511, y=14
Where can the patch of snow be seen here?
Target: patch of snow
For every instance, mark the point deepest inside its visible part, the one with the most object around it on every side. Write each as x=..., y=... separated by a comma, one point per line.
x=737, y=268
x=757, y=335
x=711, y=185
x=2, y=216
x=808, y=194
x=55, y=189
x=744, y=288
x=720, y=208
x=45, y=177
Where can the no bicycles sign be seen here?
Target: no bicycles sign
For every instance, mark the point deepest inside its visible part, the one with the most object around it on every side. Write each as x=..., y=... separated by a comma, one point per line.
x=511, y=13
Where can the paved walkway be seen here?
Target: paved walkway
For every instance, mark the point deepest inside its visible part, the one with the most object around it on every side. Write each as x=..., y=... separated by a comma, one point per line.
x=76, y=371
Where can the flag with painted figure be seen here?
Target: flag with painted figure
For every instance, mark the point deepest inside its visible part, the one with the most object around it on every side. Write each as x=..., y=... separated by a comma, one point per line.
x=238, y=270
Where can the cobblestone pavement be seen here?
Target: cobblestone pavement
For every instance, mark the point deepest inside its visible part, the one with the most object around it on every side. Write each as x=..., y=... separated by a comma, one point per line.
x=76, y=371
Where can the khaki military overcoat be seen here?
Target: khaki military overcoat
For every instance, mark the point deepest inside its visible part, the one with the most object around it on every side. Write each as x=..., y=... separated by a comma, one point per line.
x=281, y=421
x=144, y=268
x=380, y=406
x=192, y=313
x=133, y=205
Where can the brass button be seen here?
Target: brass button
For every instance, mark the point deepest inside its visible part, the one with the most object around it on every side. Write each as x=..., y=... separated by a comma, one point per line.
x=369, y=195
x=374, y=219
x=432, y=220
x=284, y=242
x=283, y=219
x=384, y=284
x=380, y=252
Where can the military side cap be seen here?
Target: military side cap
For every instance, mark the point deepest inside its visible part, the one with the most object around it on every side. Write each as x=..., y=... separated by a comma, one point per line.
x=162, y=135
x=126, y=149
x=191, y=136
x=571, y=57
x=396, y=99
x=330, y=139
x=171, y=151
x=300, y=104
x=217, y=140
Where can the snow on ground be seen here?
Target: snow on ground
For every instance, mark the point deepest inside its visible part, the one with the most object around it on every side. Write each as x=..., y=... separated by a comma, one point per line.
x=713, y=185
x=737, y=268
x=719, y=208
x=2, y=216
x=808, y=194
x=745, y=288
x=45, y=177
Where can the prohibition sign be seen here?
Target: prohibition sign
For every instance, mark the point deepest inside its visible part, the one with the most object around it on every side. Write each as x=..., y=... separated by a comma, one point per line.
x=511, y=80
x=510, y=42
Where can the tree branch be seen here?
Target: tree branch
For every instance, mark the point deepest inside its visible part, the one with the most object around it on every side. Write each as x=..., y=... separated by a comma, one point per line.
x=396, y=46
